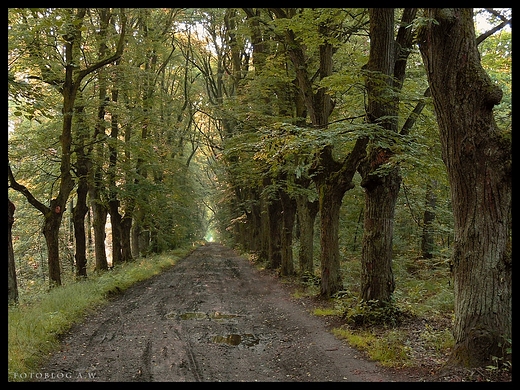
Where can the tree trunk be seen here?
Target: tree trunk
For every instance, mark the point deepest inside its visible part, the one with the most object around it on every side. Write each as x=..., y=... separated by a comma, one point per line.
x=275, y=232
x=12, y=284
x=288, y=217
x=386, y=71
x=99, y=219
x=250, y=229
x=126, y=234
x=263, y=253
x=254, y=221
x=333, y=180
x=377, y=278
x=330, y=199
x=78, y=213
x=478, y=161
x=53, y=218
x=136, y=241
x=57, y=205
x=307, y=212
x=114, y=202
x=115, y=222
x=51, y=232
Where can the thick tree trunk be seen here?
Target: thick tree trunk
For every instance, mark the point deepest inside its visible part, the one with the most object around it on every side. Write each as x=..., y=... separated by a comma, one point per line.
x=57, y=205
x=330, y=199
x=249, y=235
x=254, y=221
x=51, y=232
x=386, y=72
x=478, y=161
x=319, y=105
x=333, y=180
x=377, y=278
x=114, y=202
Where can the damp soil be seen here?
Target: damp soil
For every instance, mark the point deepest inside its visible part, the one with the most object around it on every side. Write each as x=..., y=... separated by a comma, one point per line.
x=213, y=317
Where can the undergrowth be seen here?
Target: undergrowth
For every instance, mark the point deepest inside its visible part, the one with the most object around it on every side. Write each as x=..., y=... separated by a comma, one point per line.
x=418, y=317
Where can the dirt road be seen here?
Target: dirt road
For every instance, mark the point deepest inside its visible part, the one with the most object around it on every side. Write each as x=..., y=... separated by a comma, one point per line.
x=212, y=317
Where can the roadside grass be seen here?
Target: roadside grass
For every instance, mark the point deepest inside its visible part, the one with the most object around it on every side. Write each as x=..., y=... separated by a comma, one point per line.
x=390, y=350
x=36, y=322
x=423, y=300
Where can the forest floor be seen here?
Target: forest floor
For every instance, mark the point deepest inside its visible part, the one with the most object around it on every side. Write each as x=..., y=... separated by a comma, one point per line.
x=214, y=317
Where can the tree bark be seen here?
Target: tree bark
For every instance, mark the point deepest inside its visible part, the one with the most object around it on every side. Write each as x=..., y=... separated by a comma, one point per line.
x=95, y=182
x=254, y=220
x=478, y=160
x=263, y=252
x=330, y=198
x=51, y=230
x=377, y=277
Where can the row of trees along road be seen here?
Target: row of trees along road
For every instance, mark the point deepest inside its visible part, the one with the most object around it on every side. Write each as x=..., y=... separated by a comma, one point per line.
x=256, y=123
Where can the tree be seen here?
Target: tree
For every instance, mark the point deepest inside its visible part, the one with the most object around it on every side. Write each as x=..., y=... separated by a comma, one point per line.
x=381, y=179
x=477, y=154
x=333, y=178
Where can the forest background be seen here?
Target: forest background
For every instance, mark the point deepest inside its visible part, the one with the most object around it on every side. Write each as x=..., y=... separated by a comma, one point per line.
x=132, y=132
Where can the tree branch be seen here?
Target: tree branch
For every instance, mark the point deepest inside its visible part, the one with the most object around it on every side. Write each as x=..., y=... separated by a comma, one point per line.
x=25, y=192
